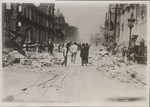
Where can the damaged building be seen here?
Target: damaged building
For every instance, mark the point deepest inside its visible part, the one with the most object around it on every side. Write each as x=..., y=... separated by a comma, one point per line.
x=63, y=30
x=116, y=23
x=126, y=27
x=26, y=24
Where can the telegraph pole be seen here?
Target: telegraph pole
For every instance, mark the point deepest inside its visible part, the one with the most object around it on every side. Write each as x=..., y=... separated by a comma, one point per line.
x=116, y=10
x=115, y=23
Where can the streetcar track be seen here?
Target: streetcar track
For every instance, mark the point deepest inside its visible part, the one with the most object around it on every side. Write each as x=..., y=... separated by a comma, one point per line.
x=57, y=79
x=47, y=89
x=52, y=84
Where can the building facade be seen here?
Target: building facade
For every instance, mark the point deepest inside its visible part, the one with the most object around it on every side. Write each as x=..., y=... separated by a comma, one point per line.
x=102, y=33
x=26, y=24
x=60, y=27
x=112, y=24
x=140, y=26
x=116, y=23
x=63, y=30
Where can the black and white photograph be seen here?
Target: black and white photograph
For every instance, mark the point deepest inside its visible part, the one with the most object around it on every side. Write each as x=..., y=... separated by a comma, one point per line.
x=75, y=53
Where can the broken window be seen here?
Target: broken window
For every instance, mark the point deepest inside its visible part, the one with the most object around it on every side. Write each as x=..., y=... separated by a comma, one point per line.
x=19, y=23
x=20, y=8
x=8, y=5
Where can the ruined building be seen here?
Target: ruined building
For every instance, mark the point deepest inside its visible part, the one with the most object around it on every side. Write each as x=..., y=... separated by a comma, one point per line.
x=25, y=23
x=116, y=23
x=63, y=30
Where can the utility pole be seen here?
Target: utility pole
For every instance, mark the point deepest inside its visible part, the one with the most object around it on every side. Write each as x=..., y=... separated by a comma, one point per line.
x=116, y=10
x=115, y=23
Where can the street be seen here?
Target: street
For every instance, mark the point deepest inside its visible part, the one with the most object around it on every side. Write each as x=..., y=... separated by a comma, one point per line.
x=73, y=84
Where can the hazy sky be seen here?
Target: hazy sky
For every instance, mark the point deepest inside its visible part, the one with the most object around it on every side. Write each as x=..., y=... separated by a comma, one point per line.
x=87, y=17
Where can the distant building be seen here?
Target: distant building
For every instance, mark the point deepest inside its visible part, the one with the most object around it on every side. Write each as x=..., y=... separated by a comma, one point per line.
x=73, y=33
x=63, y=30
x=60, y=27
x=96, y=39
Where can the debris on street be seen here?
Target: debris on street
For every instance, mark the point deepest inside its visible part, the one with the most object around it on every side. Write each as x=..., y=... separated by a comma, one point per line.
x=40, y=60
x=11, y=56
x=116, y=67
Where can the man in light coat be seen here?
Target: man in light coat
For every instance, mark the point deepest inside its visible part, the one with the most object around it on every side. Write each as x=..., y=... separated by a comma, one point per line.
x=73, y=50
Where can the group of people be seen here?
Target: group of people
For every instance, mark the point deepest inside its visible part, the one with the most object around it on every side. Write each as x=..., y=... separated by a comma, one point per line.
x=73, y=48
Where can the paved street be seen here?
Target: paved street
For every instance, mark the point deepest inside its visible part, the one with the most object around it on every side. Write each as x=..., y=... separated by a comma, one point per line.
x=74, y=84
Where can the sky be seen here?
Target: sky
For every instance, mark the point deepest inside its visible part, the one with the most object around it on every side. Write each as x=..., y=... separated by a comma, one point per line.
x=87, y=17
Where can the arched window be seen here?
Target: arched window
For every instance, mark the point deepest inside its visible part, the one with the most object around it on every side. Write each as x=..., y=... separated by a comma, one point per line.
x=8, y=5
x=19, y=23
x=20, y=8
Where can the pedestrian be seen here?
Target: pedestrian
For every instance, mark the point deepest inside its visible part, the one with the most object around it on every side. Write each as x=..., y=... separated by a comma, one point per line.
x=96, y=42
x=87, y=50
x=79, y=46
x=83, y=55
x=73, y=50
x=124, y=49
x=68, y=46
x=59, y=46
x=50, y=48
x=114, y=48
x=65, y=54
x=142, y=47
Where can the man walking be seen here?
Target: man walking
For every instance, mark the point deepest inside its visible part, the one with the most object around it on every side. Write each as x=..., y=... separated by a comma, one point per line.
x=64, y=54
x=65, y=51
x=87, y=50
x=73, y=50
x=50, y=48
x=83, y=54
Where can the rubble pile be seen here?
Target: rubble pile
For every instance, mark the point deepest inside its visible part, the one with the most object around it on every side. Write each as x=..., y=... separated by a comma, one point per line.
x=40, y=60
x=94, y=54
x=10, y=57
x=43, y=60
x=120, y=47
x=117, y=68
